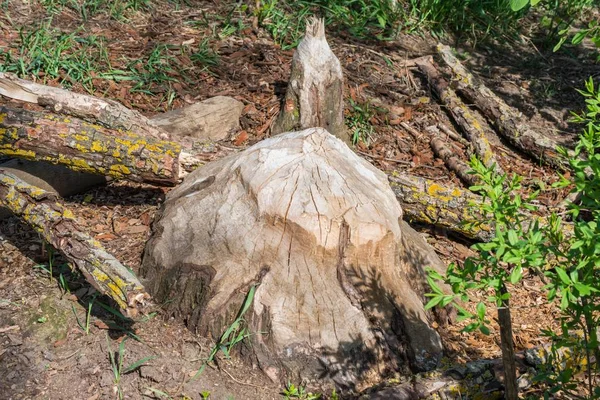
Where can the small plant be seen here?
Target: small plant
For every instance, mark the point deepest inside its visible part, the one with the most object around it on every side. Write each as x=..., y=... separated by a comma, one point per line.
x=205, y=56
x=52, y=54
x=85, y=326
x=158, y=393
x=518, y=245
x=478, y=19
x=292, y=391
x=86, y=9
x=205, y=395
x=359, y=121
x=574, y=271
x=234, y=334
x=116, y=363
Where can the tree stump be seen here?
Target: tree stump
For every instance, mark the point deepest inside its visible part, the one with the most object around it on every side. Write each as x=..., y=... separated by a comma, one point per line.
x=314, y=96
x=339, y=275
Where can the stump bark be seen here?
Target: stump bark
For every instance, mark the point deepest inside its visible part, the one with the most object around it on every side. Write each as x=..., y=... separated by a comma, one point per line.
x=314, y=96
x=339, y=275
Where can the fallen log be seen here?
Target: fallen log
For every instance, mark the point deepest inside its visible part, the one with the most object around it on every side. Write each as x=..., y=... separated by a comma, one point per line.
x=42, y=211
x=108, y=113
x=88, y=148
x=461, y=114
x=45, y=137
x=426, y=201
x=213, y=119
x=505, y=119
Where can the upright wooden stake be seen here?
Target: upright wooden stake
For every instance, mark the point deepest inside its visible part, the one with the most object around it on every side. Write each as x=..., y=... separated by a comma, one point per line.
x=511, y=389
x=314, y=95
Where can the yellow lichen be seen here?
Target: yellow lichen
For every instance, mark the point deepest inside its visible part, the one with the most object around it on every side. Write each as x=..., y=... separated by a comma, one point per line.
x=120, y=169
x=438, y=192
x=68, y=214
x=117, y=288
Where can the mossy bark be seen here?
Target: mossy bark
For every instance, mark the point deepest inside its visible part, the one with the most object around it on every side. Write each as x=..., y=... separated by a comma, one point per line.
x=88, y=148
x=57, y=225
x=108, y=113
x=426, y=201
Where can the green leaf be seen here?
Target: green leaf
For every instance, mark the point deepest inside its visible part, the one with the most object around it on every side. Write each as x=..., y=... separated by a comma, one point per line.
x=564, y=302
x=433, y=302
x=562, y=274
x=512, y=237
x=584, y=290
x=559, y=44
x=481, y=310
x=137, y=364
x=484, y=329
x=516, y=274
x=579, y=36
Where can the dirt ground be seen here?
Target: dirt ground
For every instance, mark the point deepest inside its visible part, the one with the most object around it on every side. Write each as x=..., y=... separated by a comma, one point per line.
x=46, y=349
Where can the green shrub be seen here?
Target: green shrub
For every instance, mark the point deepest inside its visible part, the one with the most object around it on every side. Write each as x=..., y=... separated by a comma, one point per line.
x=569, y=262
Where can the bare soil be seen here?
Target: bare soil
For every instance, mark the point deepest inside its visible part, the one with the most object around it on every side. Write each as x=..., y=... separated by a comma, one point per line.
x=46, y=354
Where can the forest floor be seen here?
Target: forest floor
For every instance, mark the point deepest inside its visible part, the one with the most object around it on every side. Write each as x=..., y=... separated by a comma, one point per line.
x=175, y=55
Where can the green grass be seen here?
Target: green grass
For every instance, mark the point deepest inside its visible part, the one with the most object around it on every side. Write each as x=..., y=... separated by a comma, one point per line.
x=119, y=10
x=224, y=23
x=205, y=57
x=47, y=53
x=234, y=334
x=116, y=362
x=358, y=121
x=362, y=19
x=85, y=324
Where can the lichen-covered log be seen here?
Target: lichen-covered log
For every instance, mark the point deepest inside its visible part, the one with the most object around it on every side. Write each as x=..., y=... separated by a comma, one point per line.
x=314, y=96
x=87, y=148
x=57, y=225
x=461, y=114
x=508, y=121
x=108, y=113
x=428, y=202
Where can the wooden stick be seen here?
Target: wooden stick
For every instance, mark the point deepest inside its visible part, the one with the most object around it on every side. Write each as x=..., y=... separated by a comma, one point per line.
x=455, y=164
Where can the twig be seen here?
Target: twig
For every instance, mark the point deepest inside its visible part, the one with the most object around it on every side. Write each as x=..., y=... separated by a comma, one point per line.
x=415, y=133
x=383, y=158
x=240, y=382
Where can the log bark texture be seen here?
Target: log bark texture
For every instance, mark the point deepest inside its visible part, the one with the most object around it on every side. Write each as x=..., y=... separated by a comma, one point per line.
x=508, y=121
x=340, y=277
x=461, y=114
x=87, y=148
x=452, y=161
x=314, y=96
x=108, y=113
x=42, y=211
x=426, y=201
